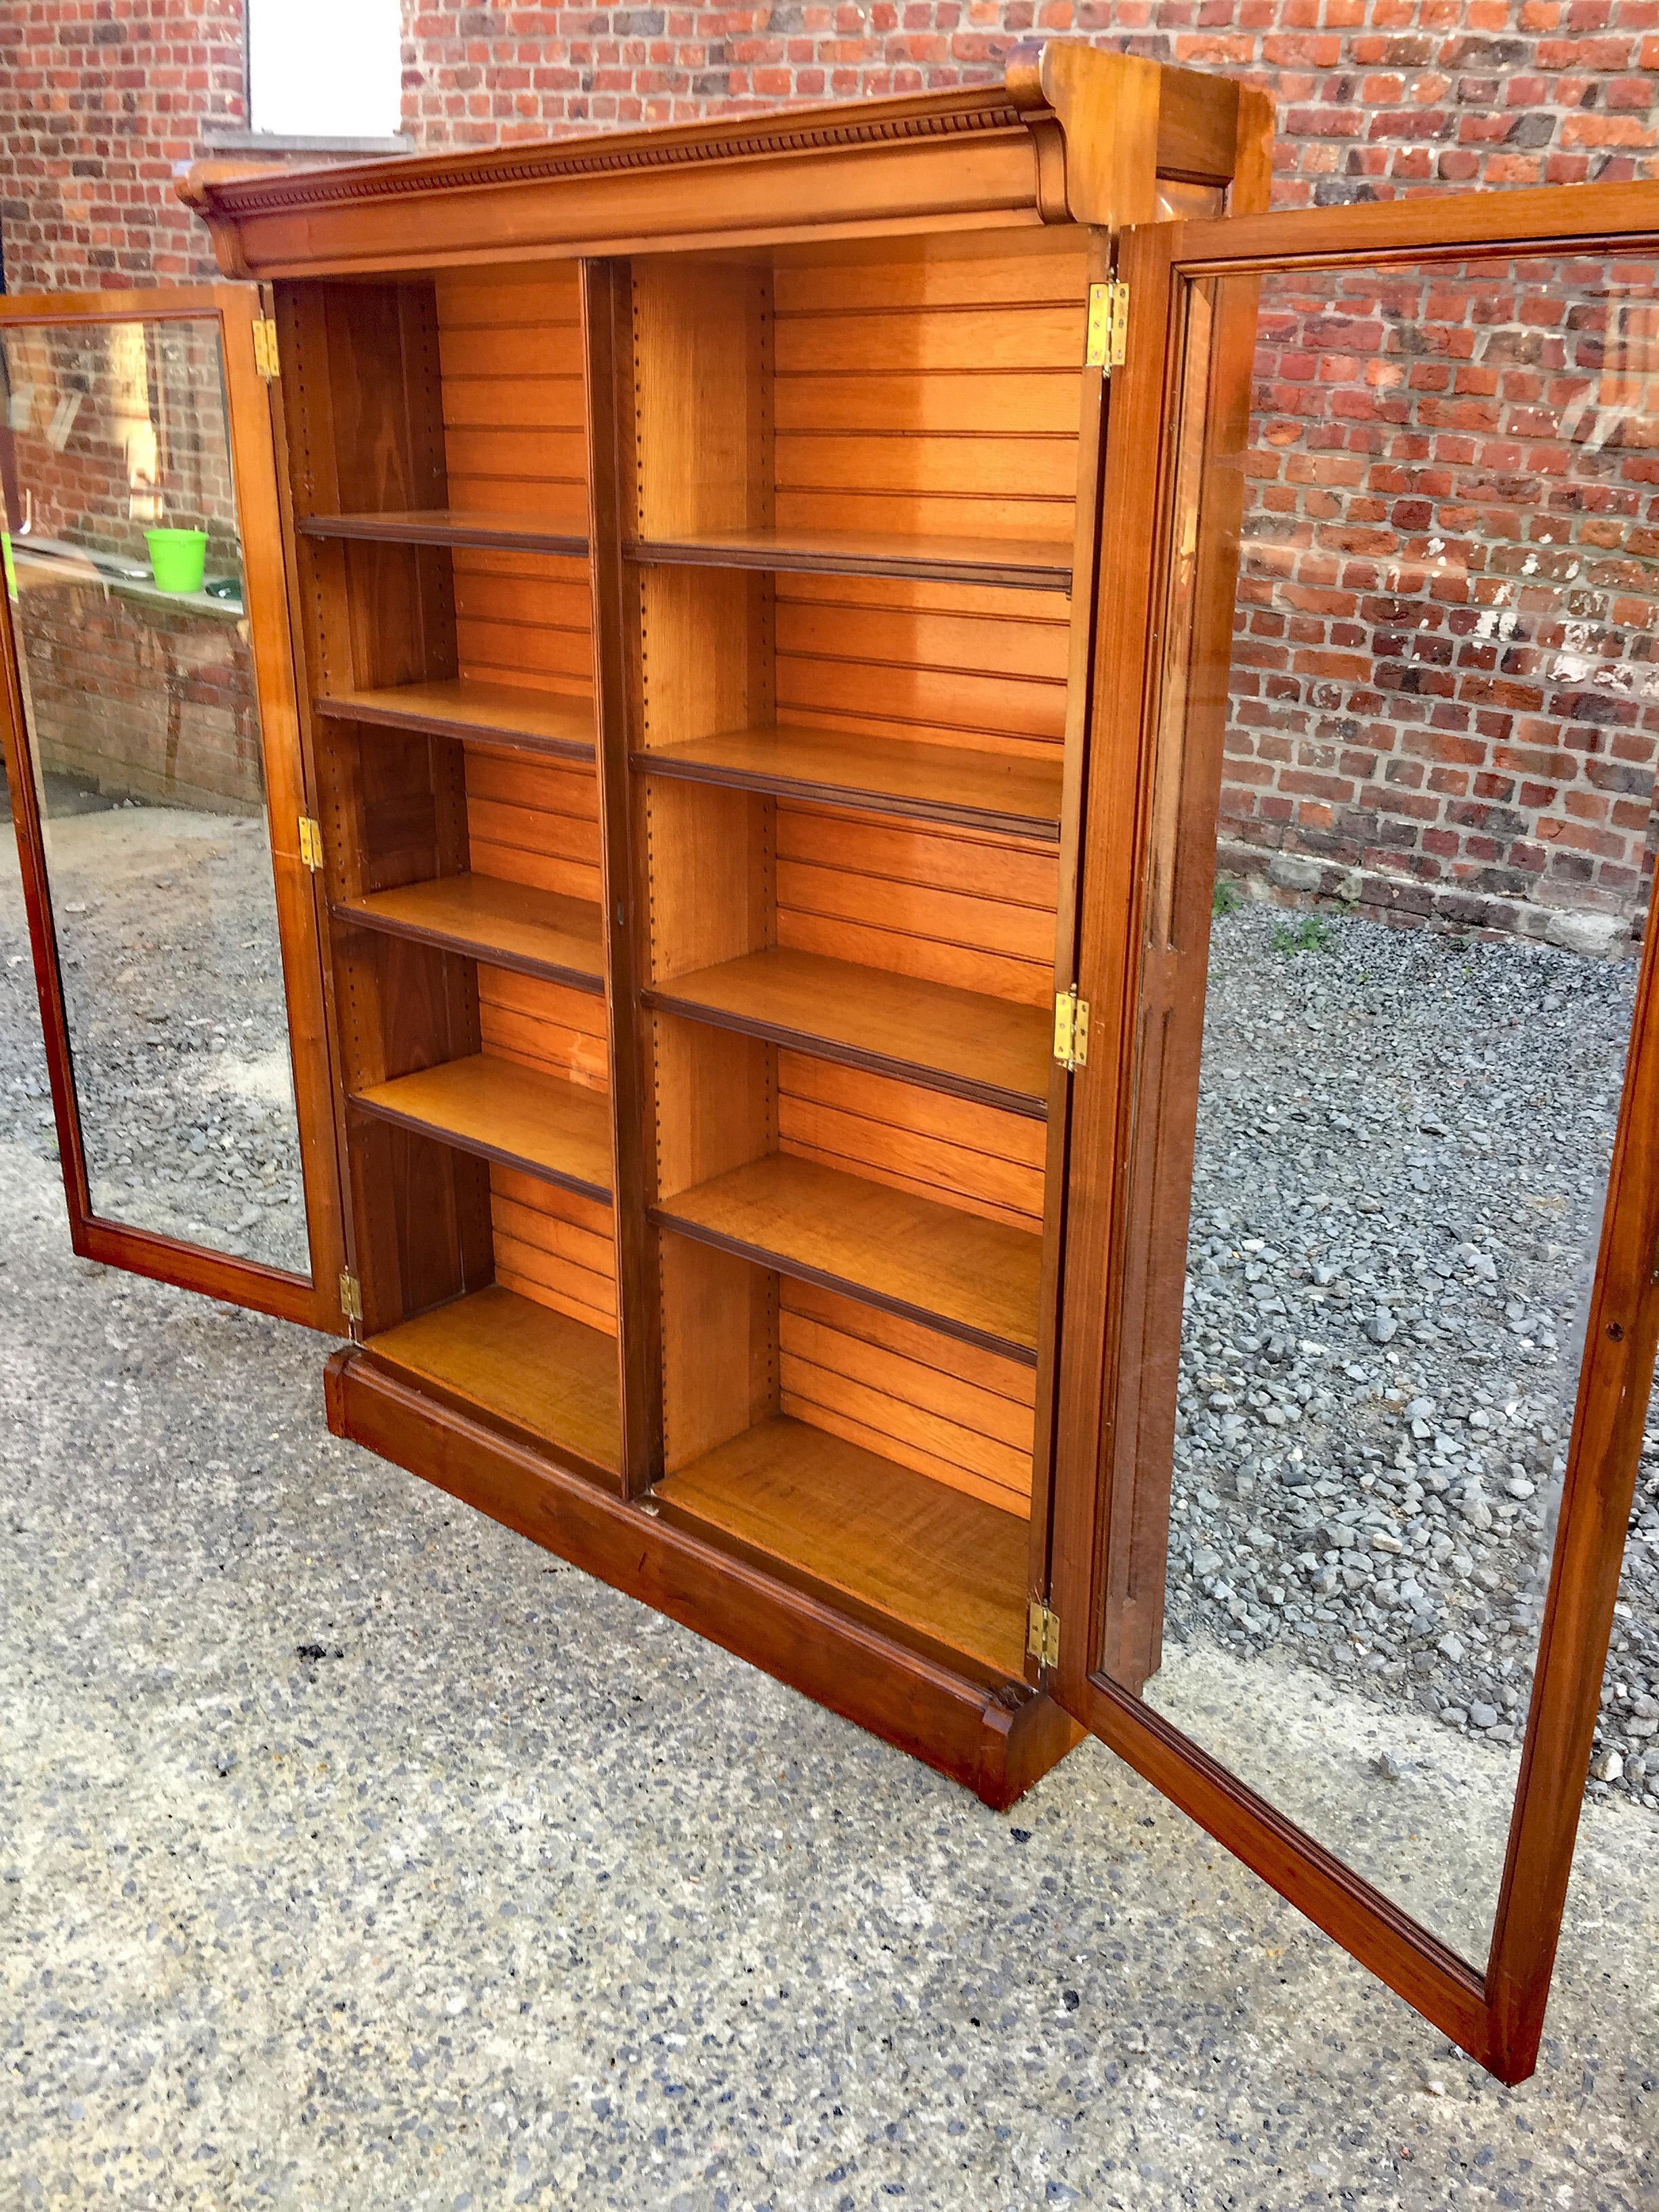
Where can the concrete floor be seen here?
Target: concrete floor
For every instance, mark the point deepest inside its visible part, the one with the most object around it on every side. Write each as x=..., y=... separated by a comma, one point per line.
x=526, y=1896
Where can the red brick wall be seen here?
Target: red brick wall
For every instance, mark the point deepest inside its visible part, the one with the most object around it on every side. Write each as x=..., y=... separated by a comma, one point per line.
x=1374, y=96
x=102, y=100
x=1446, y=695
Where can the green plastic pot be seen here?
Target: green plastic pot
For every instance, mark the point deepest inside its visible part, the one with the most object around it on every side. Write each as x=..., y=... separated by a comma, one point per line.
x=178, y=558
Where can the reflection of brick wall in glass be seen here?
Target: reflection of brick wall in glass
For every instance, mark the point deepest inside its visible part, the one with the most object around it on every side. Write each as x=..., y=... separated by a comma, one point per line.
x=1445, y=702
x=116, y=428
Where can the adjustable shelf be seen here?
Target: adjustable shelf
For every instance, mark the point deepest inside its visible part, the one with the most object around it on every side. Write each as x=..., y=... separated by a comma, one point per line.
x=956, y=1271
x=507, y=925
x=557, y=1130
x=1024, y=564
x=515, y=1362
x=461, y=708
x=910, y=1557
x=451, y=525
x=1015, y=794
x=961, y=1041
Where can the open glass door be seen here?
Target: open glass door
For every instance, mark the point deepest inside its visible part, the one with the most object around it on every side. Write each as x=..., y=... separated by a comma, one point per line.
x=1359, y=1307
x=153, y=771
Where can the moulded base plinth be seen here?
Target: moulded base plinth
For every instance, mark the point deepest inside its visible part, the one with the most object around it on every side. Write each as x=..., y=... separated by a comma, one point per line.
x=997, y=1741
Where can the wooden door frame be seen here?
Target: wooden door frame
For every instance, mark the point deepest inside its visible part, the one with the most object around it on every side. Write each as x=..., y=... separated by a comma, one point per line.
x=313, y=1299
x=1130, y=1162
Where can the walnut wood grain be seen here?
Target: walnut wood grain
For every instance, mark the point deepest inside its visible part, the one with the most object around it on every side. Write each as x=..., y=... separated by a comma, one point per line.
x=461, y=706
x=961, y=1041
x=969, y=1277
x=906, y=1553
x=508, y=925
x=519, y=1362
x=1019, y=793
x=505, y=1112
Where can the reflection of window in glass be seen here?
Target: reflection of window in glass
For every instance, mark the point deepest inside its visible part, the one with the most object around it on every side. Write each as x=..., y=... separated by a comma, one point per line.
x=132, y=425
x=325, y=69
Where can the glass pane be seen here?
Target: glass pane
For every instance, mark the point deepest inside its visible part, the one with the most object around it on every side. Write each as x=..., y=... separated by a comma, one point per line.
x=144, y=723
x=1431, y=876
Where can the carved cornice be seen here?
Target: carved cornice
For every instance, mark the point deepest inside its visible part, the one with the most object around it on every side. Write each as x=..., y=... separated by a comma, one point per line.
x=849, y=128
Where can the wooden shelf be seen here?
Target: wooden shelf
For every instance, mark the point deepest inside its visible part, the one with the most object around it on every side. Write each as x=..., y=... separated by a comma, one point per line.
x=453, y=525
x=557, y=1130
x=1018, y=795
x=508, y=925
x=961, y=1041
x=456, y=706
x=956, y=1271
x=904, y=1553
x=1030, y=564
x=505, y=1357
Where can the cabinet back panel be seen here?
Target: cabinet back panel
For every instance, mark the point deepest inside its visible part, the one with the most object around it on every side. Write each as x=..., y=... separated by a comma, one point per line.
x=934, y=444
x=975, y=913
x=536, y=822
x=551, y=1245
x=556, y=1247
x=951, y=1149
x=516, y=440
x=546, y=1025
x=533, y=822
x=952, y=664
x=962, y=1416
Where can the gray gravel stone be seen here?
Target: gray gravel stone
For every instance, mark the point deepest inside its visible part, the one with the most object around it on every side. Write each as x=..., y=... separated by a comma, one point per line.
x=531, y=1898
x=1402, y=1162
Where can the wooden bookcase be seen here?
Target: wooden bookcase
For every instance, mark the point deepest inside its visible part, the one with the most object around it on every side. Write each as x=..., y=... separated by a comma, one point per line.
x=693, y=552
x=739, y=652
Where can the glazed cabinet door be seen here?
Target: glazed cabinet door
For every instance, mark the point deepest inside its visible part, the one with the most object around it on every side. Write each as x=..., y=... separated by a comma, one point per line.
x=1360, y=1301
x=153, y=771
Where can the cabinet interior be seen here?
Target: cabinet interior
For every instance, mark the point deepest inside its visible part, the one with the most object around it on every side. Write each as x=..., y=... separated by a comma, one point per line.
x=830, y=495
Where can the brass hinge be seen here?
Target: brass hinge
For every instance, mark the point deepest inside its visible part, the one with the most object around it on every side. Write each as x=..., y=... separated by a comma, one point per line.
x=1109, y=326
x=311, y=843
x=264, y=349
x=1071, y=1030
x=351, y=1297
x=1042, y=1634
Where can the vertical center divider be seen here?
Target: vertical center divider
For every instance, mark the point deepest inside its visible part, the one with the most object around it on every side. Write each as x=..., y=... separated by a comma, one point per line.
x=608, y=364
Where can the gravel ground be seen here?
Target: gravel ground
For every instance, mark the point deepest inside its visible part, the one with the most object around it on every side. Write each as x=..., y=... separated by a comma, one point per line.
x=167, y=933
x=358, y=1856
x=1402, y=1159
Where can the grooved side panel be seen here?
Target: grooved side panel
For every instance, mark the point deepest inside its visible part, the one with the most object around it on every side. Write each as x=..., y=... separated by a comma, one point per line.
x=940, y=664
x=948, y=1410
x=932, y=396
x=952, y=1149
x=946, y=905
x=515, y=439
